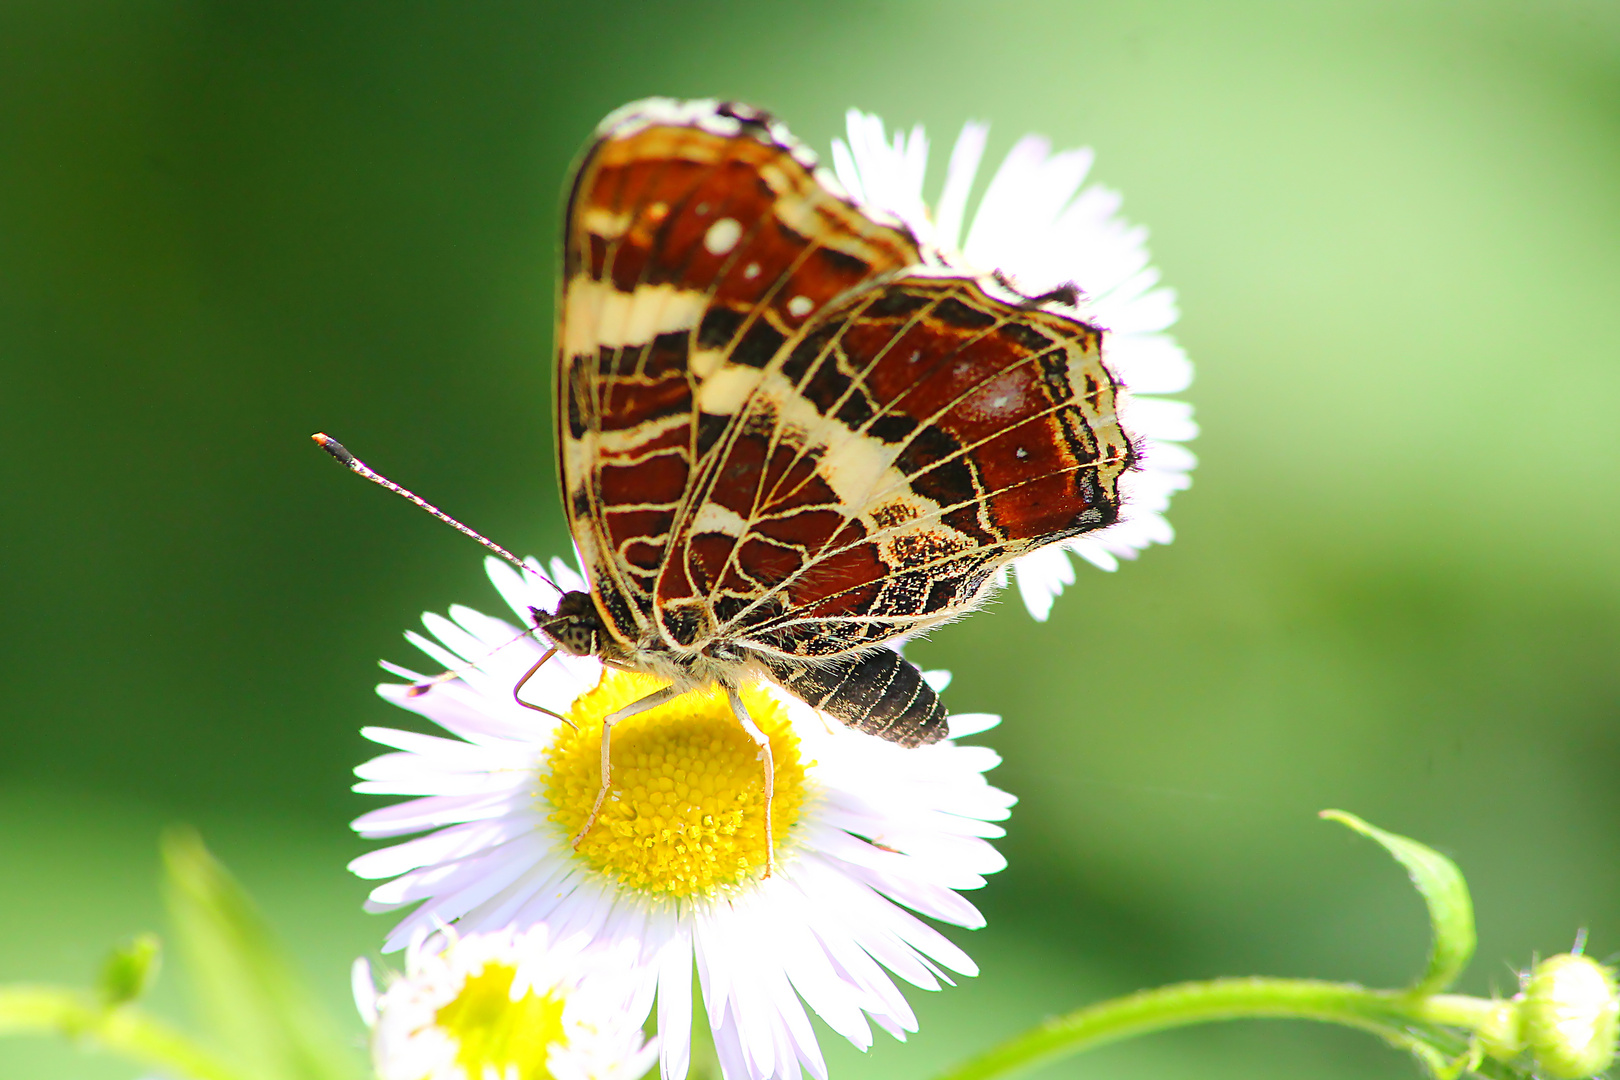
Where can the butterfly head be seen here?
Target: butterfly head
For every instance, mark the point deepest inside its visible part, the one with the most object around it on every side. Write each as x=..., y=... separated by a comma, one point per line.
x=574, y=626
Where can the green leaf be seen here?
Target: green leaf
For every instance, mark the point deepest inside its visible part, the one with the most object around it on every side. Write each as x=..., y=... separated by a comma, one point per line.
x=1451, y=911
x=131, y=969
x=260, y=1011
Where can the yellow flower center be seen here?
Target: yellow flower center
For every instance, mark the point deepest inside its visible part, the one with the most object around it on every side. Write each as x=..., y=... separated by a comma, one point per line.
x=686, y=812
x=514, y=1038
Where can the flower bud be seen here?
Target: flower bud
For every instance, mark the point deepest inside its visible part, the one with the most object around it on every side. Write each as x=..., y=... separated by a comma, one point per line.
x=1569, y=1017
x=130, y=970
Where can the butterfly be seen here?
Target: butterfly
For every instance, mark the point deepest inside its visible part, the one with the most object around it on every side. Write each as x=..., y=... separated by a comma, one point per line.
x=790, y=433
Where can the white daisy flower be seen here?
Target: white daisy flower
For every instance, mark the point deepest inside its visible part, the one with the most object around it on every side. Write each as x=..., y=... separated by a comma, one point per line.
x=1039, y=228
x=672, y=874
x=505, y=1006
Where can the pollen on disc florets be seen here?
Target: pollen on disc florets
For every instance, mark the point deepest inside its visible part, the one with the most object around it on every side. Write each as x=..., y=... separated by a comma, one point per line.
x=686, y=812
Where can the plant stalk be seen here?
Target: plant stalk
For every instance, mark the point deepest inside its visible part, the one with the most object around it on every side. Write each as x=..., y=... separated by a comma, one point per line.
x=1391, y=1015
x=124, y=1029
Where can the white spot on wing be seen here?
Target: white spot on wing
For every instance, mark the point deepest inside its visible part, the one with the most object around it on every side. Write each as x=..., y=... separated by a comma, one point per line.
x=704, y=362
x=721, y=519
x=800, y=306
x=722, y=236
x=860, y=468
x=596, y=314
x=724, y=392
x=751, y=271
x=608, y=224
x=854, y=465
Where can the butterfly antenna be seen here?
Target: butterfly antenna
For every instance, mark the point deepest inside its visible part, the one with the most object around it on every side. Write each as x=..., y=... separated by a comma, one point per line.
x=417, y=689
x=337, y=450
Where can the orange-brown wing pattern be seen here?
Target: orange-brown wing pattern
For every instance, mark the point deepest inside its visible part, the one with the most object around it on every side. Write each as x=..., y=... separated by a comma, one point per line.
x=907, y=444
x=698, y=241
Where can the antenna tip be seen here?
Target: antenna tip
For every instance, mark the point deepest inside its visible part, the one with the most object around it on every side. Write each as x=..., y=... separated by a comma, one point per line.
x=333, y=447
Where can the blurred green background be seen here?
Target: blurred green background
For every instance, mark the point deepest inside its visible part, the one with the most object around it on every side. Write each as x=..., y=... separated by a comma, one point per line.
x=1395, y=229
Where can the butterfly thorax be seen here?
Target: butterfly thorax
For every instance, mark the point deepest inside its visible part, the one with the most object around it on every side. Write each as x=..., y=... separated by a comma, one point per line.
x=874, y=690
x=577, y=628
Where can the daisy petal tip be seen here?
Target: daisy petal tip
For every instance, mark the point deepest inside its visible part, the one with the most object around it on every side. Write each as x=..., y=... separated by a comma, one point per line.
x=364, y=989
x=964, y=725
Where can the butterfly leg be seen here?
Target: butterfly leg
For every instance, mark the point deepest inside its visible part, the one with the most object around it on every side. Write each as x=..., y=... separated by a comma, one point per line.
x=521, y=683
x=762, y=741
x=651, y=701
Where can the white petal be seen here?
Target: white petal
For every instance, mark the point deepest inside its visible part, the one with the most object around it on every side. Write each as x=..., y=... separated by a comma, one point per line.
x=965, y=724
x=959, y=174
x=1148, y=363
x=848, y=173
x=1041, y=576
x=364, y=990
x=1160, y=418
x=431, y=812
x=675, y=1008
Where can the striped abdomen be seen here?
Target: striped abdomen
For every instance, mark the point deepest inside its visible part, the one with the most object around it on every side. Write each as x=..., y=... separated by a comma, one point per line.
x=879, y=692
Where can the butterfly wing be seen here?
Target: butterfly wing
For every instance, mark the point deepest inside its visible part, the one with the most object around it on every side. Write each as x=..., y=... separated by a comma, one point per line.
x=906, y=445
x=785, y=429
x=698, y=238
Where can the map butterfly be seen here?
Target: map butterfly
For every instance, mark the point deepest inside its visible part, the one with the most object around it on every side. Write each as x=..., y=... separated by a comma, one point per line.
x=789, y=432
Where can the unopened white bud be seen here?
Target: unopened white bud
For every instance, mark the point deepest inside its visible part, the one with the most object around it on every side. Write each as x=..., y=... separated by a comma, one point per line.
x=1569, y=1017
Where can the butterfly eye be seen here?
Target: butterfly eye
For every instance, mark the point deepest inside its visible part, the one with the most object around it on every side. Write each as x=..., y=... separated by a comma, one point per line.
x=574, y=605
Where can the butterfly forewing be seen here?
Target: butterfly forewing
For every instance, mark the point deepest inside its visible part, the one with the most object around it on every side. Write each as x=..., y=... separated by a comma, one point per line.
x=698, y=241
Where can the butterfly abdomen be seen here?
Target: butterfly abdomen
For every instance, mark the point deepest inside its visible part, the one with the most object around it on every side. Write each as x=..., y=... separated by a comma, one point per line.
x=879, y=692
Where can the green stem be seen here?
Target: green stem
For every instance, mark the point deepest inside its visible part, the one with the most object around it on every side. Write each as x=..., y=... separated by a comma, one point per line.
x=1455, y=1010
x=1389, y=1015
x=123, y=1029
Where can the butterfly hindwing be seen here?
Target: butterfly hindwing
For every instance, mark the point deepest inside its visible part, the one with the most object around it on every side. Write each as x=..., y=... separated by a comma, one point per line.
x=698, y=240
x=908, y=444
